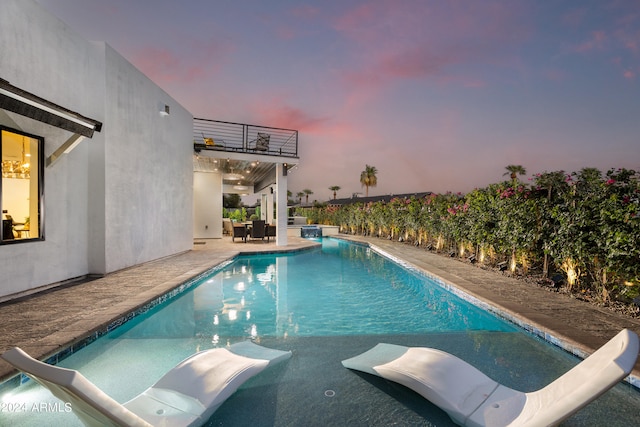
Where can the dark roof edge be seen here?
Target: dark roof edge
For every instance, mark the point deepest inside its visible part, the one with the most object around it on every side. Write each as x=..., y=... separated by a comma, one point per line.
x=386, y=198
x=29, y=105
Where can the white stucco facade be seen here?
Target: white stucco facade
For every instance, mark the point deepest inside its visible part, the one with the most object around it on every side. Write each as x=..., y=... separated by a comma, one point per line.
x=207, y=205
x=118, y=199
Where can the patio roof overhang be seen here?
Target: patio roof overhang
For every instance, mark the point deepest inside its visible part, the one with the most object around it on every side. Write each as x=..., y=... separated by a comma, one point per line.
x=26, y=104
x=242, y=172
x=29, y=105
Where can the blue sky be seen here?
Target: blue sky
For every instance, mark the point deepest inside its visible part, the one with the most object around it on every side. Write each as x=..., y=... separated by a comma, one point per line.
x=437, y=95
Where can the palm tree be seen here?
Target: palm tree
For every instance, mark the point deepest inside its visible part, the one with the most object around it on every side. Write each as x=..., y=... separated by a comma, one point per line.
x=551, y=181
x=368, y=178
x=513, y=171
x=299, y=194
x=307, y=192
x=334, y=188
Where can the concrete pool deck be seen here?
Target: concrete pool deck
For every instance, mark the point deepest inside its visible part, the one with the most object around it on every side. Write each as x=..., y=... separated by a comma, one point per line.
x=45, y=323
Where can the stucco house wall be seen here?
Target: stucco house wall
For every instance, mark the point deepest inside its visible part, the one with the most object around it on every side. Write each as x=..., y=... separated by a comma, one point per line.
x=207, y=205
x=148, y=169
x=121, y=198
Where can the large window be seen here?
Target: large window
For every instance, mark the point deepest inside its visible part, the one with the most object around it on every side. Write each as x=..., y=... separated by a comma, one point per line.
x=21, y=187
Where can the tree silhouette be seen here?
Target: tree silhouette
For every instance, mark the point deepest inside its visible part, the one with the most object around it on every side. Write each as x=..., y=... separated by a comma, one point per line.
x=368, y=178
x=513, y=171
x=307, y=192
x=334, y=188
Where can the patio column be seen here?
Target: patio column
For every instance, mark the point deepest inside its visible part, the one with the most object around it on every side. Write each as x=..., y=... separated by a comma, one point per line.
x=281, y=204
x=264, y=214
x=269, y=207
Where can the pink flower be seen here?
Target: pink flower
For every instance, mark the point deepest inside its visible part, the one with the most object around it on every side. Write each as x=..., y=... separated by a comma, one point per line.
x=610, y=181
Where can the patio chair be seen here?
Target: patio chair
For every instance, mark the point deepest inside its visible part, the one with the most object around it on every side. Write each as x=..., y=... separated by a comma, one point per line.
x=185, y=396
x=227, y=226
x=270, y=231
x=261, y=142
x=257, y=229
x=7, y=229
x=239, y=230
x=473, y=399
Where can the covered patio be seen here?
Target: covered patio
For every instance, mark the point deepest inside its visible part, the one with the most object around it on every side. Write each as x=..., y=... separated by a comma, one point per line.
x=236, y=158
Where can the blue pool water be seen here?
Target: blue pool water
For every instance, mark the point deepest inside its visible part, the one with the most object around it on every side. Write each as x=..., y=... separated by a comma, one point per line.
x=325, y=305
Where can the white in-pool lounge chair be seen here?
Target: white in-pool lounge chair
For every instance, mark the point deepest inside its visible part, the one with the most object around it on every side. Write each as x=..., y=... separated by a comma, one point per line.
x=185, y=396
x=473, y=399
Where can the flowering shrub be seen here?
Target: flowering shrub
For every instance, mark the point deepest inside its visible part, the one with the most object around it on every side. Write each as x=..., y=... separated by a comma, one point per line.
x=582, y=224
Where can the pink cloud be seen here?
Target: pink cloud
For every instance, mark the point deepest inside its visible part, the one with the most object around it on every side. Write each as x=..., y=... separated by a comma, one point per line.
x=555, y=74
x=575, y=17
x=629, y=38
x=305, y=12
x=418, y=41
x=279, y=114
x=629, y=74
x=296, y=22
x=286, y=33
x=595, y=42
x=357, y=23
x=164, y=65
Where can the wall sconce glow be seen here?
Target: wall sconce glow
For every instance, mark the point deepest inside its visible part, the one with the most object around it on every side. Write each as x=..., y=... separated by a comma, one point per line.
x=164, y=109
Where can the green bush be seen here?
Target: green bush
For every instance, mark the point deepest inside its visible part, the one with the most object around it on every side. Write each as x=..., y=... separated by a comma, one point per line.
x=582, y=224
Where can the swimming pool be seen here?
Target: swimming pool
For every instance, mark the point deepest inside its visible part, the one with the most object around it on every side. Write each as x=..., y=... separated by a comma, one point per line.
x=325, y=305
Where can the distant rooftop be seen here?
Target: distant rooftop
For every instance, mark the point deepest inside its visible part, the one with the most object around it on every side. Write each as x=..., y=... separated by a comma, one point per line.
x=385, y=198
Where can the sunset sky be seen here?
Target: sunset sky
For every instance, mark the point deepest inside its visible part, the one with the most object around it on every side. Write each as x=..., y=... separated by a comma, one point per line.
x=437, y=95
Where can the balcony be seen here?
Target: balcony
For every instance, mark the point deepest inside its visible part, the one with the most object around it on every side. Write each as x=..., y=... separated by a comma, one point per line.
x=214, y=135
x=245, y=155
